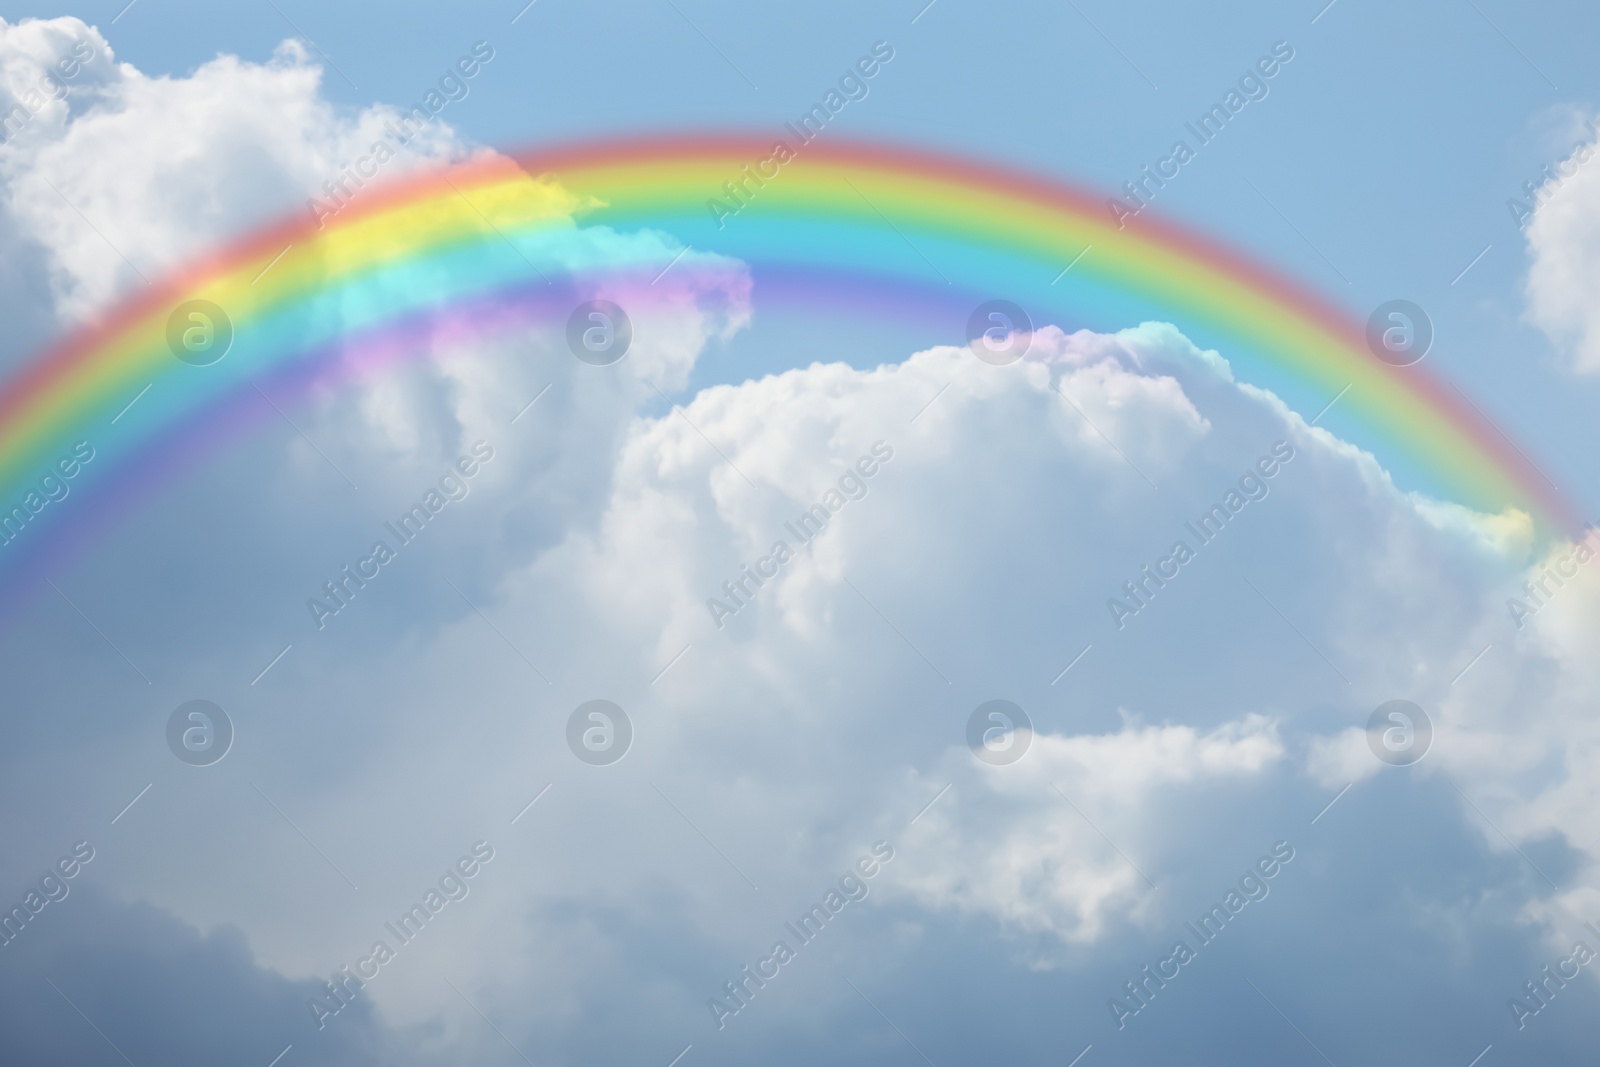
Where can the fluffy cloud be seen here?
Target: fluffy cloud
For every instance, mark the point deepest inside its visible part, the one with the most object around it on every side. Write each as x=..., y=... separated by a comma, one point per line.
x=1564, y=245
x=126, y=176
x=1047, y=868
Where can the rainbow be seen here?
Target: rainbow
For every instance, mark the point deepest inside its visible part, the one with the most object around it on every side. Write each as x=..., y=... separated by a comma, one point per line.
x=830, y=227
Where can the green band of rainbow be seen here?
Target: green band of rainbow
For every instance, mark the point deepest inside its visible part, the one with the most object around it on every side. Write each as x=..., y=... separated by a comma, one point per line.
x=895, y=219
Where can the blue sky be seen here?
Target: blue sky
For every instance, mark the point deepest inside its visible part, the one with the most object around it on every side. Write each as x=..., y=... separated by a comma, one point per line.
x=1393, y=140
x=1225, y=722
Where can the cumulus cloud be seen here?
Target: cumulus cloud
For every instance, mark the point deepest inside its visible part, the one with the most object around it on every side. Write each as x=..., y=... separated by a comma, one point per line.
x=1563, y=235
x=1038, y=862
x=124, y=176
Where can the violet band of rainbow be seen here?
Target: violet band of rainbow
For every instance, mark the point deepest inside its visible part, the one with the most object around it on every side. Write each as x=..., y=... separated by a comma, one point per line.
x=842, y=228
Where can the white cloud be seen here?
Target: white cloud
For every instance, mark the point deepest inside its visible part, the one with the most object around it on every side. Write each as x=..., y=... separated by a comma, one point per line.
x=1342, y=758
x=1027, y=849
x=1563, y=286
x=996, y=476
x=159, y=169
